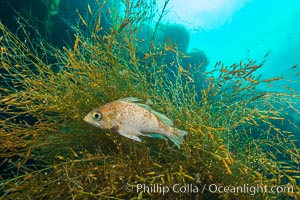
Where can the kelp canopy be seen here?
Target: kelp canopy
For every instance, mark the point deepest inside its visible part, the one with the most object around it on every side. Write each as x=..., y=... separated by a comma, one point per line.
x=236, y=131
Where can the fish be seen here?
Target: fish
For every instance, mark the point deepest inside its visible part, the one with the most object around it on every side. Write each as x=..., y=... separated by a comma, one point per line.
x=131, y=119
x=267, y=54
x=294, y=66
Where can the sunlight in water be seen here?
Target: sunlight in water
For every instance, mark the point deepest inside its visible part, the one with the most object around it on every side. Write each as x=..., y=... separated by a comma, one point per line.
x=203, y=14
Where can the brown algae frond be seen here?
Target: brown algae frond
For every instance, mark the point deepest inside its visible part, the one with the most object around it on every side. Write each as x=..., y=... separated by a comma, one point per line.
x=238, y=133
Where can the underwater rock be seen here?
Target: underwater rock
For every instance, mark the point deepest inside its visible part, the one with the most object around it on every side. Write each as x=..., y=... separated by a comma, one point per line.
x=175, y=34
x=53, y=20
x=196, y=62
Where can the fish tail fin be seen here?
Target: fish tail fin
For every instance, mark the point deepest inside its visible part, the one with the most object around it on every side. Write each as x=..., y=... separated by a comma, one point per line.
x=177, y=137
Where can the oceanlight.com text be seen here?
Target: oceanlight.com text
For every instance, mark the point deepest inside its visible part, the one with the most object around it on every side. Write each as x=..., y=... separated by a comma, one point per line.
x=252, y=190
x=211, y=188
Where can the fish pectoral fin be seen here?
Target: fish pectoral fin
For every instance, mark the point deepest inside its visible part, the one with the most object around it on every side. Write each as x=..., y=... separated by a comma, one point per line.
x=162, y=117
x=130, y=132
x=114, y=122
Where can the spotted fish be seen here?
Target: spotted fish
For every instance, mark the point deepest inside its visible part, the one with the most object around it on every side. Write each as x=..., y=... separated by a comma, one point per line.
x=132, y=119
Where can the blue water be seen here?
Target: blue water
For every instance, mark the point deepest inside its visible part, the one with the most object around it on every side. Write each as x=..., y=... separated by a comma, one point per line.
x=244, y=30
x=234, y=30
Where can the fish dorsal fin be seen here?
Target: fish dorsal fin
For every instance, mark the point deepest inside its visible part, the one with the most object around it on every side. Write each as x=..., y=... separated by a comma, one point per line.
x=162, y=117
x=130, y=99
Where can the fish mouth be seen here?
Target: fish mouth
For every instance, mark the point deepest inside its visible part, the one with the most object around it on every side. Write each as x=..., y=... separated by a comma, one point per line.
x=85, y=118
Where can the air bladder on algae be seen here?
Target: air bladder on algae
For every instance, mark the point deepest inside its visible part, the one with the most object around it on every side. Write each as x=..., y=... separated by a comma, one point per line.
x=48, y=151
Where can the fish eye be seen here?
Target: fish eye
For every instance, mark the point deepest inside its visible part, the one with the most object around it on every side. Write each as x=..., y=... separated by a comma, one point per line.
x=97, y=116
